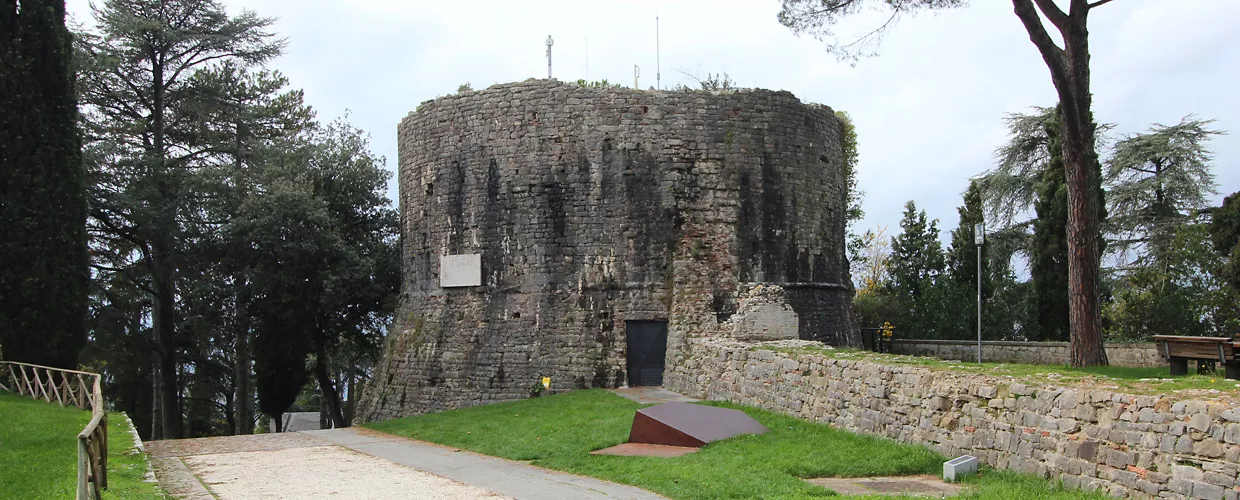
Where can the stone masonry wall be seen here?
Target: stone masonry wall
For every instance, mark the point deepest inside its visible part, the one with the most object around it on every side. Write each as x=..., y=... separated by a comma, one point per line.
x=1096, y=439
x=1036, y=353
x=591, y=207
x=763, y=313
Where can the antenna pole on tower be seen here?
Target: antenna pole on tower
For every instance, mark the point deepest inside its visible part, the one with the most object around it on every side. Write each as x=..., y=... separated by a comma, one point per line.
x=636, y=73
x=549, y=43
x=587, y=59
x=658, y=65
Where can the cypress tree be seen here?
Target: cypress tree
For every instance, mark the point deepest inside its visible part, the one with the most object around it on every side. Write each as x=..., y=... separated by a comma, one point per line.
x=1048, y=266
x=962, y=258
x=43, y=288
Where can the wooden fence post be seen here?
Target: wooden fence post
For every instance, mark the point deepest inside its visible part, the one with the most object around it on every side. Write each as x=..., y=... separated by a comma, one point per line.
x=45, y=383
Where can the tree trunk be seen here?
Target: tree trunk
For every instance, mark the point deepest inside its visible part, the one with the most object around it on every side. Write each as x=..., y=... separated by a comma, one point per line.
x=201, y=405
x=1069, y=68
x=350, y=405
x=163, y=261
x=244, y=391
x=330, y=395
x=230, y=415
x=157, y=427
x=164, y=322
x=325, y=421
x=1084, y=262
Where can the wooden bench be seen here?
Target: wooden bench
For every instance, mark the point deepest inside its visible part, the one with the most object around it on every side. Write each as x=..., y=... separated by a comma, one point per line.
x=1178, y=350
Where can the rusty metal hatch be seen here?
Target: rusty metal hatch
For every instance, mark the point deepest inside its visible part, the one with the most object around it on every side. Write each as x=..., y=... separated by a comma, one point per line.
x=691, y=425
x=647, y=348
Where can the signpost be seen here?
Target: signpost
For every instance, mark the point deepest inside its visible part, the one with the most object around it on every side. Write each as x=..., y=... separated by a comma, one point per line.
x=979, y=237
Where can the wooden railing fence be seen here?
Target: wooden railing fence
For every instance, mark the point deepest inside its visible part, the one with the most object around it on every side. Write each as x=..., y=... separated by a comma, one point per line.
x=69, y=387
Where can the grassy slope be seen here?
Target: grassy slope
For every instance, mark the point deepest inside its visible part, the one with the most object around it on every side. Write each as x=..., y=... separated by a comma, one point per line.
x=1151, y=380
x=558, y=432
x=38, y=452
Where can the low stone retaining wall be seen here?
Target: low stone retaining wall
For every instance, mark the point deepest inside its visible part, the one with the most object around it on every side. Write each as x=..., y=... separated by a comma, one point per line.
x=1035, y=353
x=1094, y=439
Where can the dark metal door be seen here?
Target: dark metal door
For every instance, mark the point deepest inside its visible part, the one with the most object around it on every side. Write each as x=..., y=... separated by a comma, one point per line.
x=647, y=345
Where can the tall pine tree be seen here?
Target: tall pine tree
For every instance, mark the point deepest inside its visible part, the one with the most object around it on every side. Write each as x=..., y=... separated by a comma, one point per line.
x=916, y=264
x=43, y=288
x=137, y=90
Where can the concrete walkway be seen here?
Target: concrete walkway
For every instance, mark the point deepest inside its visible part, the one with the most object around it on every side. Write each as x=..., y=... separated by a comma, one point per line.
x=652, y=395
x=357, y=463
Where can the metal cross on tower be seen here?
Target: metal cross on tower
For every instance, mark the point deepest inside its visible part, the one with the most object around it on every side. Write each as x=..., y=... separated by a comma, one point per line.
x=549, y=43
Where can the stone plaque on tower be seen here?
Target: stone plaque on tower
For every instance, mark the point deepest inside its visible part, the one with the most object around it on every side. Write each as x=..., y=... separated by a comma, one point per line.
x=460, y=270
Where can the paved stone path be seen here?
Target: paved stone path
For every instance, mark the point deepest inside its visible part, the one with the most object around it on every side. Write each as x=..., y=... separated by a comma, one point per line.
x=652, y=395
x=357, y=463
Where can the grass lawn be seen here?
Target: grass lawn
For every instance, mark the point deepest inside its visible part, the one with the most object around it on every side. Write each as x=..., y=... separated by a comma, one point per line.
x=1151, y=380
x=38, y=452
x=559, y=431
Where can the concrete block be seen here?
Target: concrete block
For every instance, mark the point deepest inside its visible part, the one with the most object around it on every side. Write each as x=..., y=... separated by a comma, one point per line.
x=959, y=467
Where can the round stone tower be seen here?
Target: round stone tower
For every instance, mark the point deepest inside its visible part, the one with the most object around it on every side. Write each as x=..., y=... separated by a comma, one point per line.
x=581, y=234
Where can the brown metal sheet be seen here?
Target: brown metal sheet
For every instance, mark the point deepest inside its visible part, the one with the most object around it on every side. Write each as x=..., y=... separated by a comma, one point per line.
x=685, y=424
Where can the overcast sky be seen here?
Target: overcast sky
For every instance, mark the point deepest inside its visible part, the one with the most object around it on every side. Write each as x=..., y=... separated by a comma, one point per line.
x=928, y=108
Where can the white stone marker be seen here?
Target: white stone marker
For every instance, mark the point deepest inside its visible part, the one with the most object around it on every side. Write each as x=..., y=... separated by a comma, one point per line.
x=959, y=467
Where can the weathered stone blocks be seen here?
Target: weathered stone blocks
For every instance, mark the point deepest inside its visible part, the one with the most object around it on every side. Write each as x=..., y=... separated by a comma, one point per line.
x=593, y=207
x=1139, y=446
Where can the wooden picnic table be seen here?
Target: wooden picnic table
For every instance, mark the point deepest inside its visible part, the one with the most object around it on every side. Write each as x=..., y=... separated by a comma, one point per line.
x=1178, y=350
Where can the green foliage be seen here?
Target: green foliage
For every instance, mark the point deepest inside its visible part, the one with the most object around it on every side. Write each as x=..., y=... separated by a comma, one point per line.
x=152, y=158
x=42, y=189
x=1157, y=180
x=318, y=241
x=916, y=255
x=1048, y=253
x=959, y=287
x=464, y=87
x=848, y=150
x=597, y=84
x=929, y=301
x=1030, y=177
x=1186, y=296
x=1225, y=237
x=962, y=254
x=875, y=307
x=229, y=228
x=1010, y=189
x=711, y=82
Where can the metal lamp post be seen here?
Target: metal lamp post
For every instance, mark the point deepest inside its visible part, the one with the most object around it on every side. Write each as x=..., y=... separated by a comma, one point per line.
x=979, y=237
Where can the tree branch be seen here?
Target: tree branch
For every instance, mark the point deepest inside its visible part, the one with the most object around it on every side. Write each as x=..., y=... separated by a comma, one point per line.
x=1099, y=3
x=1051, y=53
x=1053, y=13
